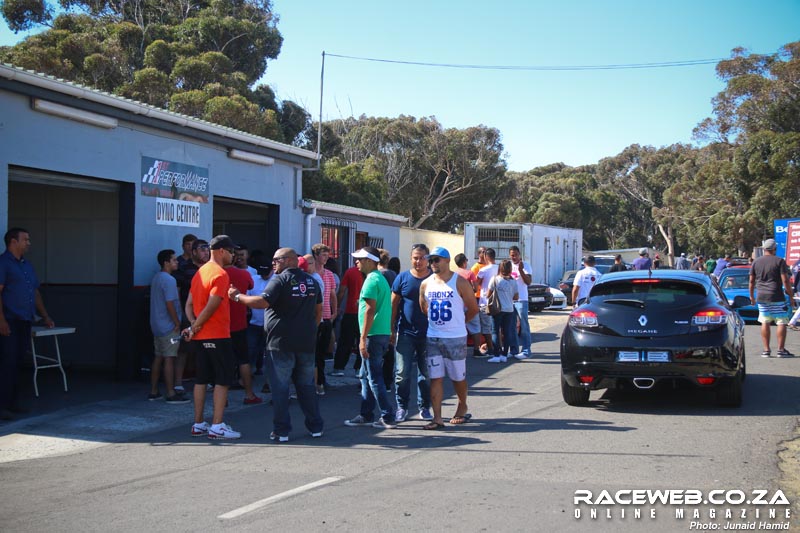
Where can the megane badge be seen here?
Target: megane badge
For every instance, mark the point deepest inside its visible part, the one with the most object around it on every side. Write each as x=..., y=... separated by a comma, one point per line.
x=643, y=321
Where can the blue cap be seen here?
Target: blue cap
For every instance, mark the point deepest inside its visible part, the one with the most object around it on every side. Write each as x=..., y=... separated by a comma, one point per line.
x=438, y=252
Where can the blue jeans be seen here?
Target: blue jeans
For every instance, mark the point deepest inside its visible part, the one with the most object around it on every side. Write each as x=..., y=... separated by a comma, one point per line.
x=255, y=345
x=410, y=350
x=283, y=368
x=524, y=337
x=505, y=322
x=372, y=386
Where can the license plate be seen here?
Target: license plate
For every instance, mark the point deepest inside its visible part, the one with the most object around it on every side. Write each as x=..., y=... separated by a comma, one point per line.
x=536, y=298
x=658, y=357
x=628, y=357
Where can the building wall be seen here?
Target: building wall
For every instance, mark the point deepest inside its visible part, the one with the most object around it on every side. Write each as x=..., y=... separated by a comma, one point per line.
x=39, y=143
x=375, y=228
x=409, y=236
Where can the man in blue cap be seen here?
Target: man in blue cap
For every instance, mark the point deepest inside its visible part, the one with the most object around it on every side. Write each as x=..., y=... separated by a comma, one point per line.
x=448, y=301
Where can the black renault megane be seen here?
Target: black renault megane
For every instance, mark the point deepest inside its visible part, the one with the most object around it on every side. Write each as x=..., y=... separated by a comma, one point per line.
x=641, y=328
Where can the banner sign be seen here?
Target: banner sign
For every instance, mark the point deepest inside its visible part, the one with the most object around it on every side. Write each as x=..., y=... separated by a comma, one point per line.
x=781, y=226
x=793, y=243
x=167, y=179
x=177, y=213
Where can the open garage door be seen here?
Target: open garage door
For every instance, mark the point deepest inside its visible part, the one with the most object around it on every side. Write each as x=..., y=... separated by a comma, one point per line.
x=74, y=226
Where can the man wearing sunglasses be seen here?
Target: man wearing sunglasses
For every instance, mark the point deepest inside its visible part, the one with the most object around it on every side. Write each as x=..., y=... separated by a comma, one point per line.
x=449, y=303
x=208, y=311
x=293, y=300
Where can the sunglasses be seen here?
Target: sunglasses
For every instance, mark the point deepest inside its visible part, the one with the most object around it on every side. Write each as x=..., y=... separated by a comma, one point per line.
x=435, y=260
x=278, y=259
x=203, y=247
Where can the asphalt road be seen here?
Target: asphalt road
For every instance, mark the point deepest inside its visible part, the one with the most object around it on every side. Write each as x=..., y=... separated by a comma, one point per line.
x=515, y=467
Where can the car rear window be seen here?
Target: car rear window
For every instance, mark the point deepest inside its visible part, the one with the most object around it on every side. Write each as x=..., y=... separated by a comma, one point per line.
x=739, y=281
x=649, y=291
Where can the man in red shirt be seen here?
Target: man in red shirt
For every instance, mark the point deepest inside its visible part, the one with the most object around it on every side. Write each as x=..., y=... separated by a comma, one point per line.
x=349, y=332
x=208, y=312
x=243, y=282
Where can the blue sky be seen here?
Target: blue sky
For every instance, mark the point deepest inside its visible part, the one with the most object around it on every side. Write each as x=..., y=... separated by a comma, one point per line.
x=544, y=117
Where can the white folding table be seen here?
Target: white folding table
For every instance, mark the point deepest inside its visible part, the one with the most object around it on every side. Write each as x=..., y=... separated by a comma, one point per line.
x=49, y=361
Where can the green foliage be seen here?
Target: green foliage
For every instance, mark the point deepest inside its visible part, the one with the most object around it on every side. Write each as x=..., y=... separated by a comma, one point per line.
x=162, y=53
x=23, y=15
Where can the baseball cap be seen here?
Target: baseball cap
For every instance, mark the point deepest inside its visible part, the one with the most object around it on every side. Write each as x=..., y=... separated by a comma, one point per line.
x=368, y=252
x=302, y=264
x=683, y=254
x=221, y=242
x=770, y=244
x=438, y=251
x=642, y=251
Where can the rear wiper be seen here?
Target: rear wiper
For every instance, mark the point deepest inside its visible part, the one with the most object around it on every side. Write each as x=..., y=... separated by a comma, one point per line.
x=625, y=301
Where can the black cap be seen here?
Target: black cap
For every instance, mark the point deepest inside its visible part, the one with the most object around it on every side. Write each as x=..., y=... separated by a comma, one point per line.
x=221, y=242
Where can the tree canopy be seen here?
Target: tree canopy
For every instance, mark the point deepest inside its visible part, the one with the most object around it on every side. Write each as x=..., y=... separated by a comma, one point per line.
x=198, y=57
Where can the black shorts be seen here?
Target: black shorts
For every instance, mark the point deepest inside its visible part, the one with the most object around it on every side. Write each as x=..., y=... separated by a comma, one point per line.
x=240, y=351
x=214, y=360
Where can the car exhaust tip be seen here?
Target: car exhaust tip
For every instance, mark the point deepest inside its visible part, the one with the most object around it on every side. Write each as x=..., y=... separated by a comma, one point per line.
x=644, y=383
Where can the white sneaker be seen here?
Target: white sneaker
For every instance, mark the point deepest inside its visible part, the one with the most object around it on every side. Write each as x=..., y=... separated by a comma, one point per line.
x=520, y=356
x=380, y=423
x=284, y=438
x=223, y=431
x=198, y=430
x=497, y=359
x=400, y=415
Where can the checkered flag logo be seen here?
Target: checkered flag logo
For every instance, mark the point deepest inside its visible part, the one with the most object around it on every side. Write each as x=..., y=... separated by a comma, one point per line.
x=152, y=175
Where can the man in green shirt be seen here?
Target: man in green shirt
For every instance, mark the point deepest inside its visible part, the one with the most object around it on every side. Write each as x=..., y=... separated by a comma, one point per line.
x=374, y=323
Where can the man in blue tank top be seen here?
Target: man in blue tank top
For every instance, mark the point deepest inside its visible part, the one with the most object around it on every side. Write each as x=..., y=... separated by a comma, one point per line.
x=448, y=301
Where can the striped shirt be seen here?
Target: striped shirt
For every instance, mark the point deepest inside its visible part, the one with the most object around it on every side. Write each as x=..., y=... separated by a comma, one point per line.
x=330, y=285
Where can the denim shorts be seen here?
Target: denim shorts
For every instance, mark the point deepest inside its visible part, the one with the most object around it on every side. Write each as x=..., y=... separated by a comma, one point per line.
x=454, y=349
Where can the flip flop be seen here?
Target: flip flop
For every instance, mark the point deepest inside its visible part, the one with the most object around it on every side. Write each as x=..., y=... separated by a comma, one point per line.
x=431, y=426
x=457, y=420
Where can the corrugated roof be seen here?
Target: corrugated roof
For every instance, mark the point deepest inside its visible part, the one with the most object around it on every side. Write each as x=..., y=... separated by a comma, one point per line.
x=83, y=92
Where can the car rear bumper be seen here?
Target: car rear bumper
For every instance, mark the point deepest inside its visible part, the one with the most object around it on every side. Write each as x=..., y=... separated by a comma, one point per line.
x=705, y=355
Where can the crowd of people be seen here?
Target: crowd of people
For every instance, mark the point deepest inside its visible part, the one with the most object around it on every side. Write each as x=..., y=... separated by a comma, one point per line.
x=235, y=318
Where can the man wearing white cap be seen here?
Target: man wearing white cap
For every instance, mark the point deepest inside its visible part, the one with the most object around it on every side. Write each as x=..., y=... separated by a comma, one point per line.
x=448, y=301
x=375, y=326
x=642, y=262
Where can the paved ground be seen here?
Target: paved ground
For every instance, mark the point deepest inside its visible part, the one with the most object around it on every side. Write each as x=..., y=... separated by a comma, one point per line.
x=126, y=462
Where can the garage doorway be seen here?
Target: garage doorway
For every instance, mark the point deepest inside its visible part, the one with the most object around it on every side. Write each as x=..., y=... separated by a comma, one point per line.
x=74, y=227
x=253, y=224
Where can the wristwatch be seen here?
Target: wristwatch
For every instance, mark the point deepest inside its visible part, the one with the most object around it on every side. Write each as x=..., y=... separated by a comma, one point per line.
x=236, y=298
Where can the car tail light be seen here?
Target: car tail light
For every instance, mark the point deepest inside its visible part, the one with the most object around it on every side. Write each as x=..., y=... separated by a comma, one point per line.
x=706, y=380
x=585, y=379
x=584, y=318
x=646, y=281
x=709, y=317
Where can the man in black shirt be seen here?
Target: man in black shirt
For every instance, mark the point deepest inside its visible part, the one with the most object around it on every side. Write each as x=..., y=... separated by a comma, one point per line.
x=618, y=266
x=769, y=279
x=293, y=301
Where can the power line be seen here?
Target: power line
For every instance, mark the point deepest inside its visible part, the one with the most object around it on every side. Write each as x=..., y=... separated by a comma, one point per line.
x=624, y=66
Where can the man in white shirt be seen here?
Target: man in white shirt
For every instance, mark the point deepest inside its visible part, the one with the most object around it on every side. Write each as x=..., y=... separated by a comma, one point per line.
x=485, y=275
x=521, y=271
x=584, y=281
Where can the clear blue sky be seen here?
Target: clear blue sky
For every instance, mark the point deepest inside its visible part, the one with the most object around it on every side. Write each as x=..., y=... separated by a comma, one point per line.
x=544, y=117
